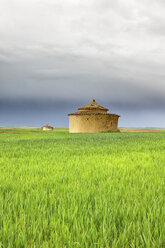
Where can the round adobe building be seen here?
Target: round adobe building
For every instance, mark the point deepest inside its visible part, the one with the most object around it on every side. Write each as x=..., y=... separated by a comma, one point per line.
x=92, y=118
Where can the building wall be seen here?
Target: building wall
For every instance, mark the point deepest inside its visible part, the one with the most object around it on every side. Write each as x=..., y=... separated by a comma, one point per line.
x=92, y=123
x=47, y=129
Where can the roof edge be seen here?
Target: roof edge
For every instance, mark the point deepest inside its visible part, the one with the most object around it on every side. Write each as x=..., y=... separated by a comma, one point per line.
x=92, y=113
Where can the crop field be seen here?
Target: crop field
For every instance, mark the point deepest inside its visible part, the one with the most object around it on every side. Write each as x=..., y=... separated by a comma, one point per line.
x=103, y=190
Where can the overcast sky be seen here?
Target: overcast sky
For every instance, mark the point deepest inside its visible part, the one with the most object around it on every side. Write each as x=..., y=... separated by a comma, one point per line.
x=57, y=55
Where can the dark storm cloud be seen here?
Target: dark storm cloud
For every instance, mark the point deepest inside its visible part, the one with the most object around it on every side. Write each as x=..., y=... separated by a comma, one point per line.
x=77, y=81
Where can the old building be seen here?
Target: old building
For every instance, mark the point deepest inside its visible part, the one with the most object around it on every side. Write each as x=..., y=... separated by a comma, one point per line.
x=47, y=128
x=92, y=118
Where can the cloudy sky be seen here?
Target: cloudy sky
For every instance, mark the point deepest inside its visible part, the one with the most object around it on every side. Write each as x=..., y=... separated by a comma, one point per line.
x=57, y=55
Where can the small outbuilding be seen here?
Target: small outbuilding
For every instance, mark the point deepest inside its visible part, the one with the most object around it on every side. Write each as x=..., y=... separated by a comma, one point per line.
x=92, y=118
x=47, y=128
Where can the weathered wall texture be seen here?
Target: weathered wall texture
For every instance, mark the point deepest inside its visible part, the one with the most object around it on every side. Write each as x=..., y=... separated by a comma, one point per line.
x=93, y=123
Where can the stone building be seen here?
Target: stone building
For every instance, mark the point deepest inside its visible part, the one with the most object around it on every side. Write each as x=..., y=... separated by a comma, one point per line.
x=47, y=128
x=92, y=118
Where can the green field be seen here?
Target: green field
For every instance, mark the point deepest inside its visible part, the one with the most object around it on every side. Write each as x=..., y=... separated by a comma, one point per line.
x=82, y=190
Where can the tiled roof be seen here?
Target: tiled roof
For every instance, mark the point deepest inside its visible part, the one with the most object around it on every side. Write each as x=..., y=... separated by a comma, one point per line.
x=47, y=126
x=93, y=105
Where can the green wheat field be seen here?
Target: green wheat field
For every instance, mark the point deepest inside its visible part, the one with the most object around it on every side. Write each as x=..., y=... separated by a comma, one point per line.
x=104, y=190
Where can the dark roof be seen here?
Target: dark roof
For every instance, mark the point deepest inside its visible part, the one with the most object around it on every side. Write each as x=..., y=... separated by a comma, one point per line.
x=47, y=126
x=93, y=105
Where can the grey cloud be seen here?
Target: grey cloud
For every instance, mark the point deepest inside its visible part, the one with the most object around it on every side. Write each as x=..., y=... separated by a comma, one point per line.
x=79, y=81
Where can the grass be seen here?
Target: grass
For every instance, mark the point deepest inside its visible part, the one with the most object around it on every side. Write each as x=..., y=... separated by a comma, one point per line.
x=103, y=190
